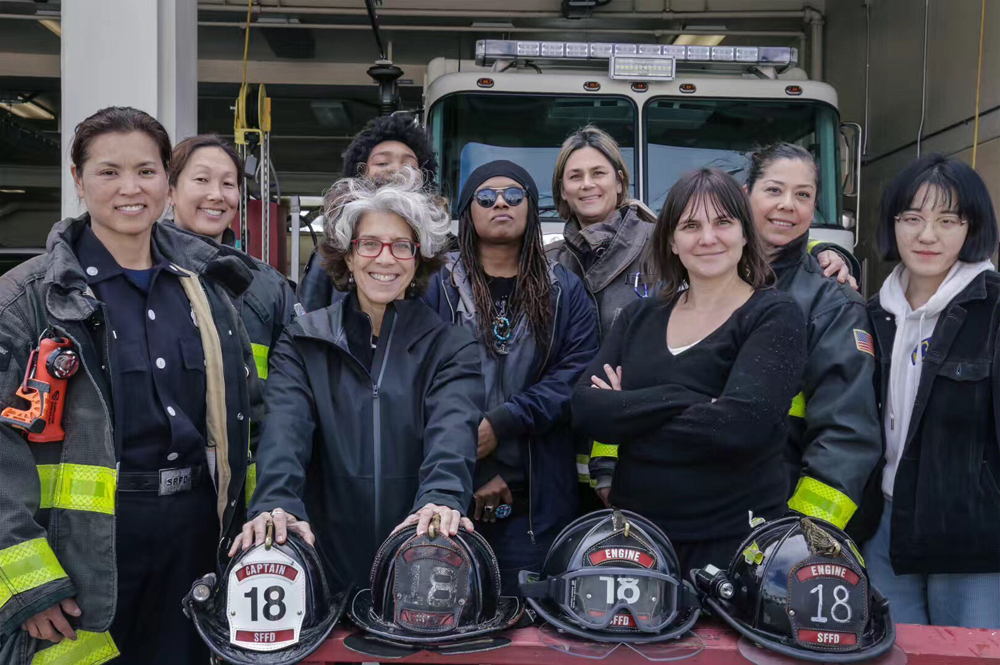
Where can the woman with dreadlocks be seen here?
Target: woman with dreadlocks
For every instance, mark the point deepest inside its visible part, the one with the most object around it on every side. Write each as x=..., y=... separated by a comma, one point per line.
x=537, y=330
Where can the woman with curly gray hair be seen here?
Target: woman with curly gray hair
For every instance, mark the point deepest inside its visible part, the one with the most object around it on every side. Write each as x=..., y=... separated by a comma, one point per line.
x=373, y=402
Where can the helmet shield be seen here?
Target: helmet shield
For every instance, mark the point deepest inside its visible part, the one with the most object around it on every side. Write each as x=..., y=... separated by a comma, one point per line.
x=827, y=603
x=430, y=585
x=620, y=598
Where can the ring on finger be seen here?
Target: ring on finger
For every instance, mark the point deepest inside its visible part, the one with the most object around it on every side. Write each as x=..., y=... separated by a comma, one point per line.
x=488, y=509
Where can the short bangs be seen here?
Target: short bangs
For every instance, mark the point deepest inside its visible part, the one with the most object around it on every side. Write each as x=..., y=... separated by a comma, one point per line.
x=964, y=192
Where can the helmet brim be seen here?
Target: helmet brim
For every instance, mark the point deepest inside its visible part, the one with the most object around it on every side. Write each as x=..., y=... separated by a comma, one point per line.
x=361, y=611
x=880, y=647
x=215, y=634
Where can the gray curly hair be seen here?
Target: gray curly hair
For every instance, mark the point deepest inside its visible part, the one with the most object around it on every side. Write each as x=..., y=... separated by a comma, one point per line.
x=403, y=193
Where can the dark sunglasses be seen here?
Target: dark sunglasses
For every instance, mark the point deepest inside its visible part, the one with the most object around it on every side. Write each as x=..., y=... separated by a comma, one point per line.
x=488, y=197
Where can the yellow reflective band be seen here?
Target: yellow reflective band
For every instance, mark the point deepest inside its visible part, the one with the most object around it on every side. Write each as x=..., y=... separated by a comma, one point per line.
x=251, y=481
x=798, y=409
x=583, y=469
x=260, y=354
x=78, y=487
x=817, y=499
x=812, y=244
x=854, y=548
x=604, y=450
x=26, y=566
x=88, y=649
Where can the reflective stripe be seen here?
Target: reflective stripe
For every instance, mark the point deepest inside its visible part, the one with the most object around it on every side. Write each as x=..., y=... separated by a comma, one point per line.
x=604, y=450
x=88, y=649
x=260, y=354
x=817, y=499
x=78, y=487
x=251, y=481
x=583, y=469
x=798, y=409
x=26, y=566
x=812, y=244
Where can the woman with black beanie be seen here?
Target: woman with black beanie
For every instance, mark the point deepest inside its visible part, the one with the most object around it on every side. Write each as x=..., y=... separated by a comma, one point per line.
x=537, y=330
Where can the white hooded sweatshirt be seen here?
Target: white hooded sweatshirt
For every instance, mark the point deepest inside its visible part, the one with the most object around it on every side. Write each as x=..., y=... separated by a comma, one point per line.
x=913, y=335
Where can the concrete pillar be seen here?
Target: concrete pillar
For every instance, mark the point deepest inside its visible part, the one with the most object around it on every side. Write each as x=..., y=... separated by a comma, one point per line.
x=140, y=53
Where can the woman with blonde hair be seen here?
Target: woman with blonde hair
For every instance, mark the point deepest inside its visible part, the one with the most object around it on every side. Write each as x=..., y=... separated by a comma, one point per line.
x=373, y=402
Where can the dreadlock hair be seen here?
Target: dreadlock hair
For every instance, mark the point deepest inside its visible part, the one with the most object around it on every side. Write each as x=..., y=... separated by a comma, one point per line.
x=532, y=292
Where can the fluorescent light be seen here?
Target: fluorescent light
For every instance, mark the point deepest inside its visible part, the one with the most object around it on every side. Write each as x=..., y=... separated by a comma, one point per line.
x=4, y=190
x=27, y=110
x=53, y=25
x=698, y=40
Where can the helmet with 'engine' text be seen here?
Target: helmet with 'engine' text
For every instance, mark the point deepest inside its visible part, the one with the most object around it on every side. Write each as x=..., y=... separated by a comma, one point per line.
x=799, y=587
x=613, y=576
x=271, y=607
x=434, y=590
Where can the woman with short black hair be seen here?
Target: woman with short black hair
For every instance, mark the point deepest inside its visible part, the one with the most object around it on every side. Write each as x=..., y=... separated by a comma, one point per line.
x=935, y=553
x=694, y=384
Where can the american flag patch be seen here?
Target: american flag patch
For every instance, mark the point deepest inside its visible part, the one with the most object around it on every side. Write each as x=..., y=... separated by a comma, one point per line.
x=863, y=340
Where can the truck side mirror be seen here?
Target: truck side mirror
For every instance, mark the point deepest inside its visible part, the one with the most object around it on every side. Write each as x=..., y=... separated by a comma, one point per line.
x=850, y=151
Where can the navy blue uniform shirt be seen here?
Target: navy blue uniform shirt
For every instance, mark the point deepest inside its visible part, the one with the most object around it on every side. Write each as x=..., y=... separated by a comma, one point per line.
x=157, y=362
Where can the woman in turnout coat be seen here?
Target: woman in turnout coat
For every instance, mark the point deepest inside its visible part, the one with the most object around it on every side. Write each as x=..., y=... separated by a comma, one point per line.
x=96, y=550
x=374, y=401
x=935, y=553
x=537, y=330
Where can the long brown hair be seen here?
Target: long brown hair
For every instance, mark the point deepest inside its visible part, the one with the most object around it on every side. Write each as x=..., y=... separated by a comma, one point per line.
x=532, y=293
x=697, y=187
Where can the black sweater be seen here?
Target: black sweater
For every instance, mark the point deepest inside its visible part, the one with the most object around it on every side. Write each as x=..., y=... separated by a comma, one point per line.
x=701, y=434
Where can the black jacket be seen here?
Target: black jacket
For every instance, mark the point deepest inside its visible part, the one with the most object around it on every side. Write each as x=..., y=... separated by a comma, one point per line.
x=833, y=430
x=354, y=452
x=946, y=500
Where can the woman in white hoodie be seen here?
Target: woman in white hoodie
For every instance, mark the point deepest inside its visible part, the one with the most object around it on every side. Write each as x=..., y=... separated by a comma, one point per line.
x=935, y=552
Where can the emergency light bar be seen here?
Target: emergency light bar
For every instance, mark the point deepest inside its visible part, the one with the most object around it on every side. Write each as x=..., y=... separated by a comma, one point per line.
x=489, y=51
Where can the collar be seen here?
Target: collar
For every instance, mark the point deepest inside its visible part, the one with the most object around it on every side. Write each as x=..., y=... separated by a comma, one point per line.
x=631, y=235
x=790, y=255
x=99, y=265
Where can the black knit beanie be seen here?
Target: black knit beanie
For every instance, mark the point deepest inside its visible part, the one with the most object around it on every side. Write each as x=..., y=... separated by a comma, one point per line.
x=500, y=167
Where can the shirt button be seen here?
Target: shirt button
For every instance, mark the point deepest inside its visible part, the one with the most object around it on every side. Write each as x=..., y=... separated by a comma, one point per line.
x=161, y=363
x=171, y=457
x=152, y=315
x=91, y=270
x=171, y=411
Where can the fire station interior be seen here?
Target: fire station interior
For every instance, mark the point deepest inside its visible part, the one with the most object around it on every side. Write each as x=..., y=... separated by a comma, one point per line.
x=905, y=70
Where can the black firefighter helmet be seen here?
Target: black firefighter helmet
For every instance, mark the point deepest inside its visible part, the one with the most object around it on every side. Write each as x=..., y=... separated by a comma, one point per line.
x=798, y=586
x=613, y=576
x=272, y=606
x=434, y=590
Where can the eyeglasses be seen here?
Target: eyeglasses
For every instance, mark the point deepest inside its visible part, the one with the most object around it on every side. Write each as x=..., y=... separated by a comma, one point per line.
x=488, y=197
x=946, y=224
x=371, y=248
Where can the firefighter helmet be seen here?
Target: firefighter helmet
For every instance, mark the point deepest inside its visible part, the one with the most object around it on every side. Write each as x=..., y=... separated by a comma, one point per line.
x=798, y=586
x=613, y=576
x=434, y=589
x=271, y=607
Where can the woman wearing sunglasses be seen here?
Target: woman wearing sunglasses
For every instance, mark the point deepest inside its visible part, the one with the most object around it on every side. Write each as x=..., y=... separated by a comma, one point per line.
x=694, y=383
x=537, y=331
x=373, y=402
x=935, y=553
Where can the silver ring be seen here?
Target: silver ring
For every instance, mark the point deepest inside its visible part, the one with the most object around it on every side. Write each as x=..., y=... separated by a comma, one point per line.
x=488, y=509
x=276, y=511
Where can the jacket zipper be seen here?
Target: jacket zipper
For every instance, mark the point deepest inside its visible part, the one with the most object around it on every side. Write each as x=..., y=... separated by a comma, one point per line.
x=377, y=431
x=590, y=293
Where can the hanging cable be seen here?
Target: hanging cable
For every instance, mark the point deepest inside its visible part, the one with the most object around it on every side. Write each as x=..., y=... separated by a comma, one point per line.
x=240, y=120
x=979, y=85
x=923, y=86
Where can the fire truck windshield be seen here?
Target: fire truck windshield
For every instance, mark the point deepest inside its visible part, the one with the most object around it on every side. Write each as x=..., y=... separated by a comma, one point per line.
x=683, y=134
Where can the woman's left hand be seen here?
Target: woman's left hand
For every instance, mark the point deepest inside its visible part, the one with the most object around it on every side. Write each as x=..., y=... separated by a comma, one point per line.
x=834, y=265
x=614, y=379
x=451, y=519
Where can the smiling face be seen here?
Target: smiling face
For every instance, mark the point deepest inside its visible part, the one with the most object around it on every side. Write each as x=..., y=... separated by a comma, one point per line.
x=123, y=184
x=708, y=241
x=206, y=197
x=783, y=201
x=590, y=186
x=502, y=224
x=388, y=157
x=384, y=278
x=930, y=234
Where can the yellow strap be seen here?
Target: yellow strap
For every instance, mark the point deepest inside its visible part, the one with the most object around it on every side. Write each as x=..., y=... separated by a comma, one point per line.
x=817, y=499
x=260, y=354
x=26, y=566
x=78, y=487
x=88, y=649
x=251, y=481
x=798, y=409
x=583, y=469
x=604, y=450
